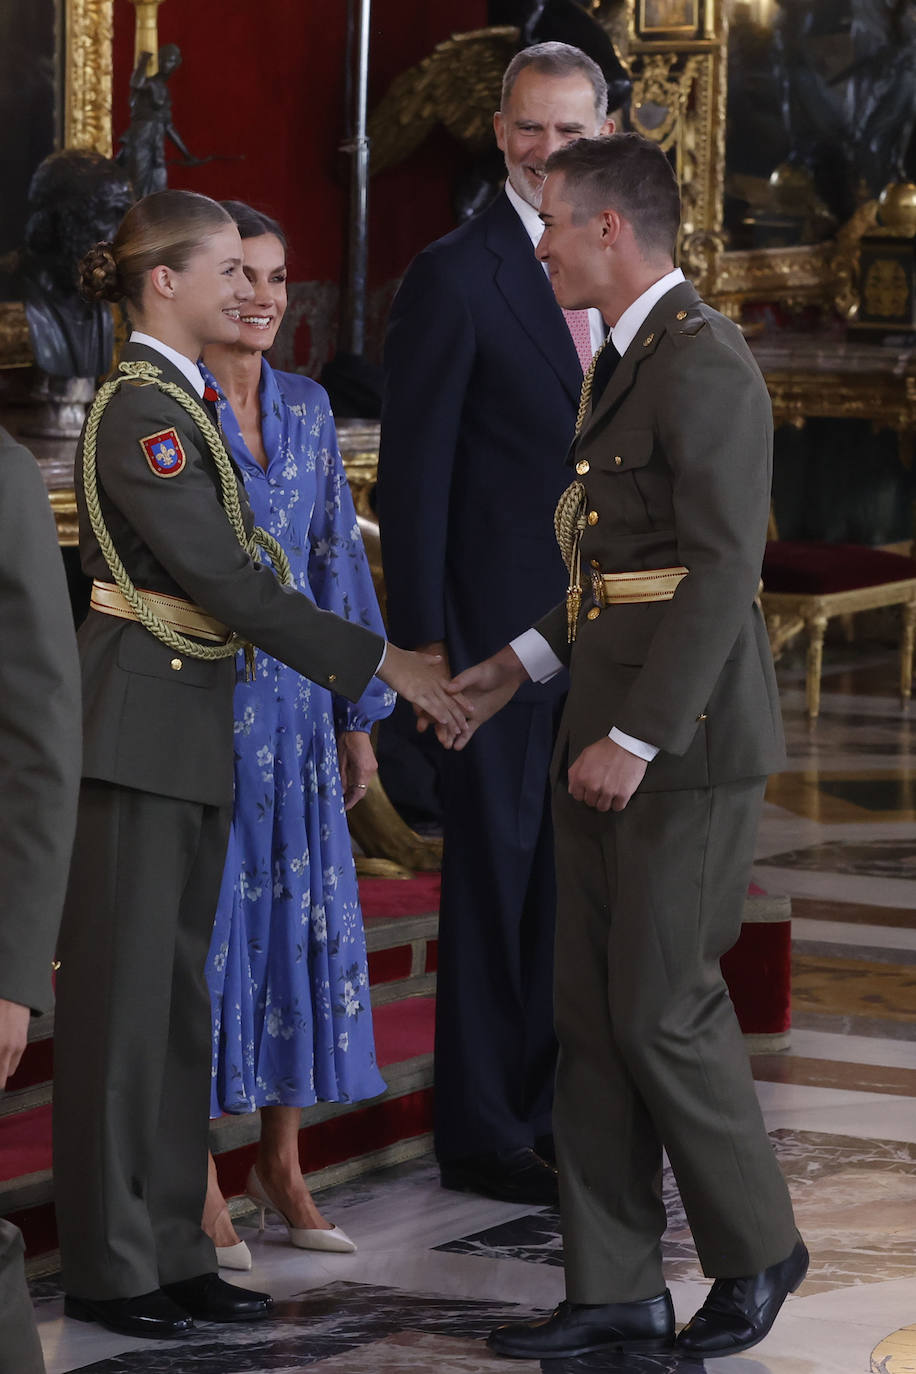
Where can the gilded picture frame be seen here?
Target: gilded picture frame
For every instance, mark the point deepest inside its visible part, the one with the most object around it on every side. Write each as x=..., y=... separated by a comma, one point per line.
x=86, y=66
x=657, y=19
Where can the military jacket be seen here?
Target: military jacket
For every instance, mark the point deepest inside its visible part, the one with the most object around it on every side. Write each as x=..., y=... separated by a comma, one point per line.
x=675, y=458
x=154, y=719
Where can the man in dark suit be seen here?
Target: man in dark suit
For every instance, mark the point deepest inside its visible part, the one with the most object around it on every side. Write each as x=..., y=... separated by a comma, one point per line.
x=39, y=782
x=664, y=532
x=482, y=385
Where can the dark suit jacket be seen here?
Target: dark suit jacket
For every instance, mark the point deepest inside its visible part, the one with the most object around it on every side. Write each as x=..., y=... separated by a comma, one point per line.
x=146, y=724
x=482, y=389
x=679, y=467
x=39, y=731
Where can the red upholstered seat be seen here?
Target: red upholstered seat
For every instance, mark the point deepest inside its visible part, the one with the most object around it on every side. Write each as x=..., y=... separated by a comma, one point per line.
x=802, y=567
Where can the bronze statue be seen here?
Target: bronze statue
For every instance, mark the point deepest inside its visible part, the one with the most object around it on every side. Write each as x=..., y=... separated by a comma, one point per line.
x=143, y=145
x=76, y=198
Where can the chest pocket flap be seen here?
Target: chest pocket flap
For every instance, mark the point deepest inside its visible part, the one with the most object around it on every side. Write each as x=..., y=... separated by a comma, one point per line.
x=625, y=450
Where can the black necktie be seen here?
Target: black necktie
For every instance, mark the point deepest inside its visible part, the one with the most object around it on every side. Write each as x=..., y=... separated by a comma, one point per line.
x=604, y=370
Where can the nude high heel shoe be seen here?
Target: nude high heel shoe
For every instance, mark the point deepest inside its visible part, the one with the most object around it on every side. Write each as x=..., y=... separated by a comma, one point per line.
x=236, y=1256
x=306, y=1238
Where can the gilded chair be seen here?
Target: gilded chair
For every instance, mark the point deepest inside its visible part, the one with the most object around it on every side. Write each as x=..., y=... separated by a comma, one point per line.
x=806, y=583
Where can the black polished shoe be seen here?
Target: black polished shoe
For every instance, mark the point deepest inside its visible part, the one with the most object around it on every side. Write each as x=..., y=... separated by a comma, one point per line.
x=507, y=1176
x=214, y=1300
x=577, y=1329
x=739, y=1312
x=544, y=1146
x=152, y=1315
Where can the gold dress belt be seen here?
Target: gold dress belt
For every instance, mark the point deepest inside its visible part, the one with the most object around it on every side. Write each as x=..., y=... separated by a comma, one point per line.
x=177, y=613
x=618, y=589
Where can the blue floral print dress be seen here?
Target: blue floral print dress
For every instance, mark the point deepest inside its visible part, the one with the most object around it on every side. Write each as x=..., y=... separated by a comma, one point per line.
x=289, y=989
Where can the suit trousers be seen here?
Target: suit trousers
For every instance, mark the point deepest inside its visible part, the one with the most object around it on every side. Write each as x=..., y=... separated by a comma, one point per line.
x=132, y=1041
x=651, y=1054
x=495, y=1045
x=20, y=1348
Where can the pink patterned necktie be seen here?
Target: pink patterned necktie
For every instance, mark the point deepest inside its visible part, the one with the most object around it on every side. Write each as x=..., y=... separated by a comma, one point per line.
x=579, y=328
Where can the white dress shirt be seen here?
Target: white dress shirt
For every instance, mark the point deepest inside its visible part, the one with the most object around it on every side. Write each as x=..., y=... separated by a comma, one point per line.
x=187, y=366
x=534, y=653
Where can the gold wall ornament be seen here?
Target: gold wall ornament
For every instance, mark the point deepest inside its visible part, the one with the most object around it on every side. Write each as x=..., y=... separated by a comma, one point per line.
x=88, y=28
x=15, y=348
x=885, y=289
x=146, y=33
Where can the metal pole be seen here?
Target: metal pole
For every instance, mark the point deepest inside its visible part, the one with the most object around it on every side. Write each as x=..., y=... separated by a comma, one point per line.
x=353, y=322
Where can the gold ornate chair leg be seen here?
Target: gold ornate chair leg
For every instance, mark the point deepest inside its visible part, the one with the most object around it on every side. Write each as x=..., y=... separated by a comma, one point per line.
x=849, y=628
x=817, y=627
x=907, y=640
x=381, y=834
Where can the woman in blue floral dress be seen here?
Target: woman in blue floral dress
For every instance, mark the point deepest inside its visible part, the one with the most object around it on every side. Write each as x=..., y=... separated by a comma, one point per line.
x=292, y=1022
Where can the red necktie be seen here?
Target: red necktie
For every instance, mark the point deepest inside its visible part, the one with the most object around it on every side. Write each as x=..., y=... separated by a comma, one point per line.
x=581, y=333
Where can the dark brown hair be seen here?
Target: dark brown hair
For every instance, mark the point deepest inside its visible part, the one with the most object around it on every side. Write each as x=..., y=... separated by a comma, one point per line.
x=626, y=173
x=165, y=229
x=251, y=223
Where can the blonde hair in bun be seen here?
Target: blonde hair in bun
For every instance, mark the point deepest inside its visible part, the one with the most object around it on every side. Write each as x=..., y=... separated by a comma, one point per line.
x=161, y=230
x=98, y=274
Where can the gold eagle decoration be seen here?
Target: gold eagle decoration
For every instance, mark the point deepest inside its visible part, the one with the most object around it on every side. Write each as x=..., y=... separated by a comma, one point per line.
x=458, y=85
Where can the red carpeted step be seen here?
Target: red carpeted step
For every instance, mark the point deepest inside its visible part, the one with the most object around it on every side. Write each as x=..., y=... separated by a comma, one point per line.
x=404, y=1030
x=387, y=897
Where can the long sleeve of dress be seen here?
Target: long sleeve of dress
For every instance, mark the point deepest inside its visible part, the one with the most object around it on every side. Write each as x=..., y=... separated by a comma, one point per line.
x=339, y=573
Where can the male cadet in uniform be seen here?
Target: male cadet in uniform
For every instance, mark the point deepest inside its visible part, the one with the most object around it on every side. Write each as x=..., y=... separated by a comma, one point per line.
x=483, y=375
x=664, y=534
x=39, y=783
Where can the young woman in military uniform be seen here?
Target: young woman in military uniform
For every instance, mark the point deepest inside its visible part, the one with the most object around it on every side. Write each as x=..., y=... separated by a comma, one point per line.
x=167, y=536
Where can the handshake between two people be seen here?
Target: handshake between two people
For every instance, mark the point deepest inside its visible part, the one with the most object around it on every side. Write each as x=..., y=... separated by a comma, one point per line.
x=604, y=776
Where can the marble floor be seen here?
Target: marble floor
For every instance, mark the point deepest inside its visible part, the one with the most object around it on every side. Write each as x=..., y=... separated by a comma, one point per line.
x=436, y=1270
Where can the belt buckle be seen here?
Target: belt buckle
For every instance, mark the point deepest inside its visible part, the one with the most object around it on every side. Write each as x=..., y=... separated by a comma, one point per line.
x=599, y=595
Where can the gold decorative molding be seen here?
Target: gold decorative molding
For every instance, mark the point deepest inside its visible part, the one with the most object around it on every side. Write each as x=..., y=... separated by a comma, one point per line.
x=88, y=26
x=15, y=348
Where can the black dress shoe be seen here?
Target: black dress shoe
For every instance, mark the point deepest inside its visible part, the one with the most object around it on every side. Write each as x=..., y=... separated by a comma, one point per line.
x=214, y=1300
x=508, y=1176
x=739, y=1312
x=151, y=1315
x=544, y=1146
x=577, y=1329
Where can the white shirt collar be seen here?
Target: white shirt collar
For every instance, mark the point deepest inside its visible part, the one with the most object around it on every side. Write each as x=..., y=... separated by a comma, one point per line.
x=534, y=225
x=184, y=364
x=627, y=327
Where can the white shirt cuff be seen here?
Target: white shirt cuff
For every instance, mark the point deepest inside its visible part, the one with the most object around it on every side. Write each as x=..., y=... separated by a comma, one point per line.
x=383, y=657
x=633, y=746
x=536, y=656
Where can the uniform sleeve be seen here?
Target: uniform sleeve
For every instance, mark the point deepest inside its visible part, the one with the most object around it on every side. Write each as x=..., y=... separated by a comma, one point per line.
x=39, y=733
x=338, y=571
x=182, y=522
x=429, y=353
x=715, y=426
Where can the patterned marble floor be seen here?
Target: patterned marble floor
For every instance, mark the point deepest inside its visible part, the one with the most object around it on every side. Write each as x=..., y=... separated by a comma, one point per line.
x=436, y=1270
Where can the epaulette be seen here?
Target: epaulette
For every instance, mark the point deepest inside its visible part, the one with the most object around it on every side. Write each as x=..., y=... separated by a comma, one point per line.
x=686, y=325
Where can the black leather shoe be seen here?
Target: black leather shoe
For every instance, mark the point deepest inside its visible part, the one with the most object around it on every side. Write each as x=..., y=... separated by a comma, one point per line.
x=214, y=1300
x=508, y=1176
x=152, y=1315
x=544, y=1146
x=739, y=1312
x=577, y=1329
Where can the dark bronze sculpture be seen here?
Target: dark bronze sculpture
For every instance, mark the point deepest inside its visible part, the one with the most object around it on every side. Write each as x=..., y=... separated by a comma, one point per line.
x=142, y=149
x=76, y=198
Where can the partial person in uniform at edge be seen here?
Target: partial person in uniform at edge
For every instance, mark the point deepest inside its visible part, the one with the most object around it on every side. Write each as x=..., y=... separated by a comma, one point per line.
x=39, y=784
x=483, y=375
x=287, y=969
x=663, y=530
x=166, y=534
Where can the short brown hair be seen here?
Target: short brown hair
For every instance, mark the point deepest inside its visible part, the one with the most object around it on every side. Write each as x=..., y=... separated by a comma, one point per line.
x=557, y=59
x=165, y=229
x=626, y=173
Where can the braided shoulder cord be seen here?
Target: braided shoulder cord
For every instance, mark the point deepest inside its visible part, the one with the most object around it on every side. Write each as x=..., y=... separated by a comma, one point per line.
x=260, y=539
x=569, y=516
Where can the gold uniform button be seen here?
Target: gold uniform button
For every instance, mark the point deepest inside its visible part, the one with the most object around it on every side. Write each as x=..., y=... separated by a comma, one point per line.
x=332, y=677
x=593, y=517
x=594, y=613
x=175, y=665
x=646, y=341
x=582, y=466
x=595, y=564
x=617, y=459
x=681, y=315
x=701, y=716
